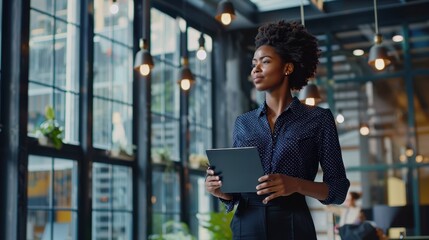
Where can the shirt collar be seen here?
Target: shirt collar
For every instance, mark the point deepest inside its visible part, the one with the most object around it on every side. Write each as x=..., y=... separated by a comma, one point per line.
x=293, y=106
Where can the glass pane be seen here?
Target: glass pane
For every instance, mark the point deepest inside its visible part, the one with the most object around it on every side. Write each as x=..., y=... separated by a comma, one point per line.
x=112, y=187
x=101, y=225
x=200, y=104
x=37, y=222
x=65, y=185
x=122, y=192
x=166, y=192
x=43, y=5
x=104, y=18
x=101, y=186
x=122, y=135
x=122, y=226
x=164, y=36
x=39, y=97
x=103, y=71
x=201, y=139
x=165, y=136
x=64, y=225
x=68, y=10
x=114, y=20
x=201, y=202
x=39, y=181
x=122, y=74
x=66, y=56
x=159, y=221
x=122, y=22
x=41, y=47
x=102, y=123
x=165, y=90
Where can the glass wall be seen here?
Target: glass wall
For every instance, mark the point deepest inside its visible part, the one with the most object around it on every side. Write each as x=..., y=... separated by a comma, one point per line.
x=166, y=123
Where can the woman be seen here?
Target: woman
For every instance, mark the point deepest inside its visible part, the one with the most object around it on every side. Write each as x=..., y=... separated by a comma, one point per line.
x=292, y=139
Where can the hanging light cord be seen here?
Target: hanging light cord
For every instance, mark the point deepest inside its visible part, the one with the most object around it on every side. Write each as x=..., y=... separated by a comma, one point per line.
x=375, y=15
x=302, y=13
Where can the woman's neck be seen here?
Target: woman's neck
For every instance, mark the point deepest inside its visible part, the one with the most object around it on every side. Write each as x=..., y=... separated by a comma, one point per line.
x=278, y=101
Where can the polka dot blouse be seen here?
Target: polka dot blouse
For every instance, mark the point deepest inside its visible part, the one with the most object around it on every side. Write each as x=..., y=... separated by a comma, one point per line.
x=303, y=137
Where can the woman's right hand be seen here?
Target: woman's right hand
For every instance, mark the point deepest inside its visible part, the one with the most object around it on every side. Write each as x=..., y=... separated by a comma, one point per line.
x=213, y=184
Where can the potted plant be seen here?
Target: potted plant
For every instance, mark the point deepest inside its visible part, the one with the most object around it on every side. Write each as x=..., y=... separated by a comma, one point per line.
x=197, y=161
x=49, y=132
x=173, y=230
x=217, y=223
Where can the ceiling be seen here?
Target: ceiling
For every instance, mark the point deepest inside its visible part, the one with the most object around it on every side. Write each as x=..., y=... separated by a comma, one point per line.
x=350, y=25
x=331, y=14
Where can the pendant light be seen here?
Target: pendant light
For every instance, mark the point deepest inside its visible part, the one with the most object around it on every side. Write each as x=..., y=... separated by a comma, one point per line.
x=309, y=94
x=225, y=12
x=143, y=61
x=378, y=58
x=201, y=52
x=114, y=7
x=186, y=78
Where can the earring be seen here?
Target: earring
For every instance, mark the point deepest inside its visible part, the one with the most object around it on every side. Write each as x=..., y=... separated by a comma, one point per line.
x=287, y=73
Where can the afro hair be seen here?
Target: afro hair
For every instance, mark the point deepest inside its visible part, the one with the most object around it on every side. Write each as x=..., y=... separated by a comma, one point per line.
x=294, y=44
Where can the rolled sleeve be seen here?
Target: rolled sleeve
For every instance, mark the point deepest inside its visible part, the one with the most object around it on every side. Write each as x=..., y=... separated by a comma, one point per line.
x=229, y=204
x=334, y=174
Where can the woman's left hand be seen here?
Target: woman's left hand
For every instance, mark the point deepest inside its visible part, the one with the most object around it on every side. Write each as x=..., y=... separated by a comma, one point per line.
x=276, y=185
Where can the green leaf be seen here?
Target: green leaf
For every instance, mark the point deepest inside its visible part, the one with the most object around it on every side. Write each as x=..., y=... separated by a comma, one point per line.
x=49, y=113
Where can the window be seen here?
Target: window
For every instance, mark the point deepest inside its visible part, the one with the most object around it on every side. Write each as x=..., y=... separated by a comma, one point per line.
x=165, y=48
x=53, y=65
x=200, y=102
x=165, y=91
x=52, y=198
x=113, y=77
x=111, y=202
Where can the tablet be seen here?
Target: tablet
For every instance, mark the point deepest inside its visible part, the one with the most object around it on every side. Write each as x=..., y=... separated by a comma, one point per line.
x=239, y=168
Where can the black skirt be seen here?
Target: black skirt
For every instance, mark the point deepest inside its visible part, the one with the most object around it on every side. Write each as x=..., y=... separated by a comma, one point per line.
x=285, y=218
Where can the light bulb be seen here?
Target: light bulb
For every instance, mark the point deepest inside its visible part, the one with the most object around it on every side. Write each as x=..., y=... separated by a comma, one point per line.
x=144, y=69
x=185, y=84
x=114, y=8
x=379, y=64
x=419, y=158
x=409, y=152
x=364, y=130
x=201, y=53
x=358, y=52
x=310, y=101
x=226, y=18
x=397, y=38
x=340, y=118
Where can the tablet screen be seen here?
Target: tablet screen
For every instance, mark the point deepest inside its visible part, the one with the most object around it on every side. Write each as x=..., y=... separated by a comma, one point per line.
x=239, y=168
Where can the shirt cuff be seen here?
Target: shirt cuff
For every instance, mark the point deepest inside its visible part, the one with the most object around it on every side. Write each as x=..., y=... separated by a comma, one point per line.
x=229, y=204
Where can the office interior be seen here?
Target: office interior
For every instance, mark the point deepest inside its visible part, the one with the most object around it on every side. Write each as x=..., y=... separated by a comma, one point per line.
x=93, y=146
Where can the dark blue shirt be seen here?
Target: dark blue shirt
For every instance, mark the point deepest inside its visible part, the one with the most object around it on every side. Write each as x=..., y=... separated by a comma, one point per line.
x=303, y=137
